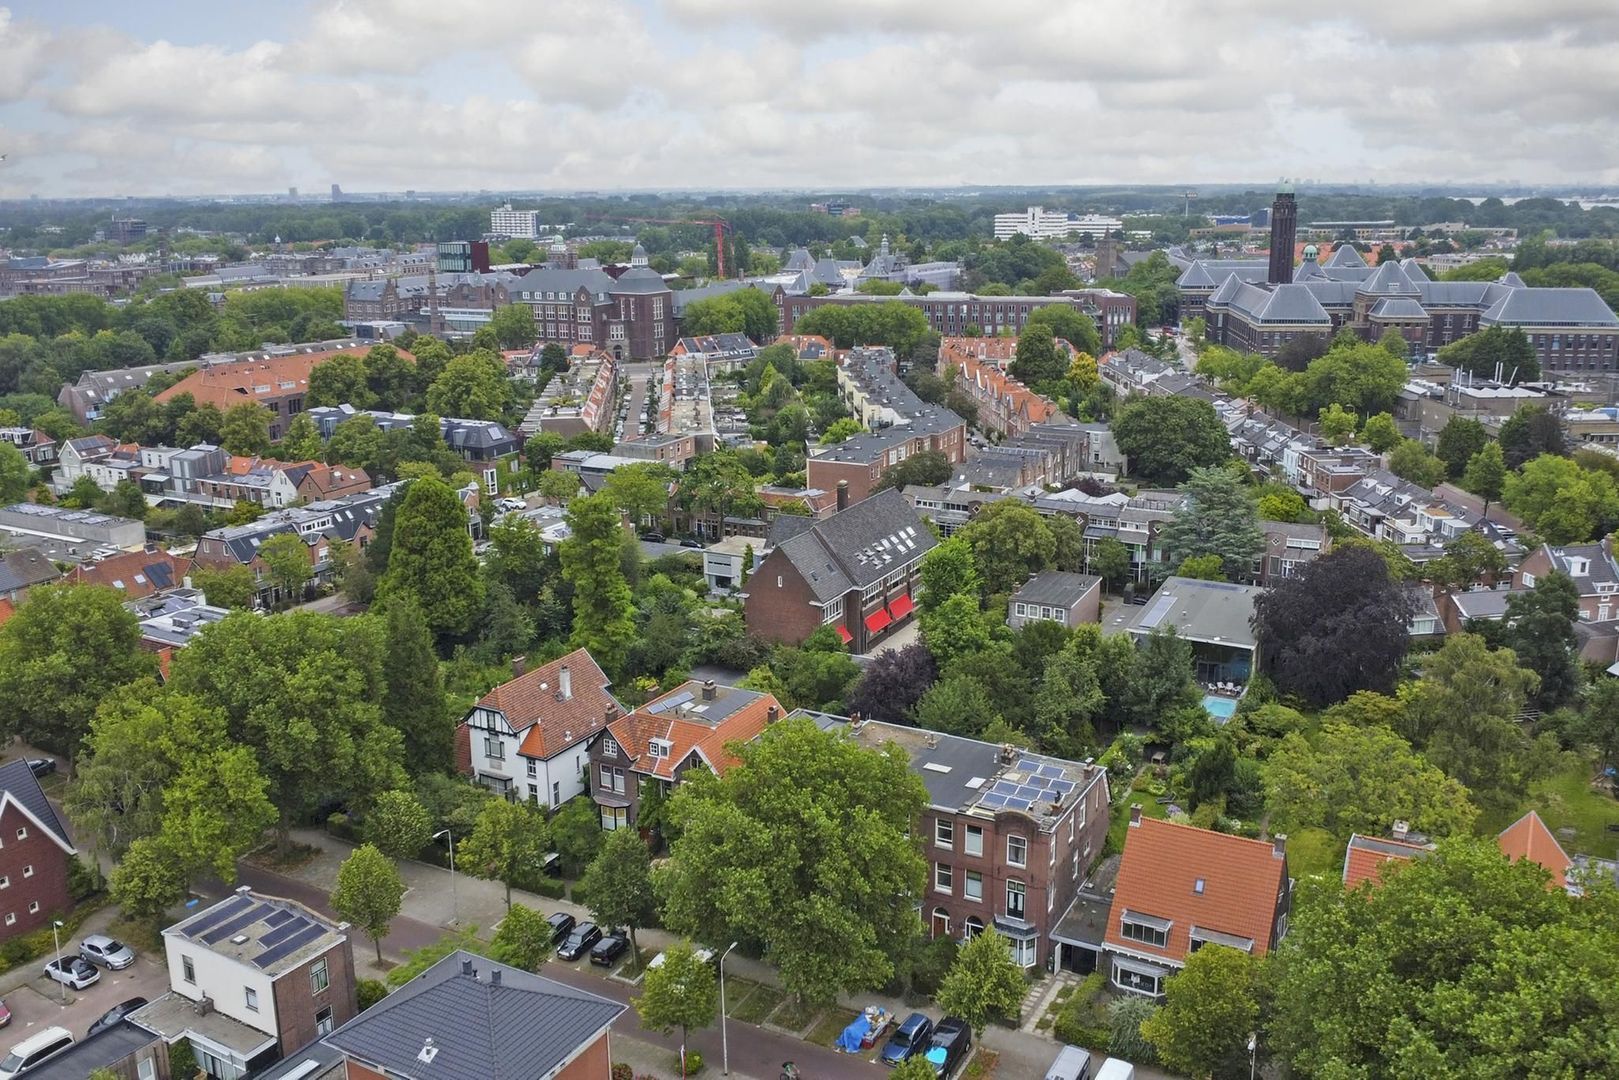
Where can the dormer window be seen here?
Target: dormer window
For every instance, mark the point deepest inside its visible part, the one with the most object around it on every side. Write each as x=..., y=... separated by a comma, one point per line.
x=660, y=748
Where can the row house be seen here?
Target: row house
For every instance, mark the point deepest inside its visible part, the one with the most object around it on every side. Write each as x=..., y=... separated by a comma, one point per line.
x=1005, y=405
x=1385, y=507
x=1288, y=548
x=1130, y=371
x=1009, y=835
x=135, y=574
x=1592, y=568
x=856, y=571
x=1133, y=520
x=1271, y=448
x=529, y=737
x=36, y=852
x=1327, y=472
x=89, y=395
x=36, y=447
x=576, y=401
x=23, y=568
x=722, y=352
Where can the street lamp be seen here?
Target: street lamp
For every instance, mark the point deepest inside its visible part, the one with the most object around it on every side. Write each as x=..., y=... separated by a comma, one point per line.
x=455, y=902
x=724, y=1040
x=1253, y=1053
x=56, y=924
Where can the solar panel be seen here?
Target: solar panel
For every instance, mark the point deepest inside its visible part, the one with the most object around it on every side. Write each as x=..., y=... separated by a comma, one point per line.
x=1004, y=787
x=1028, y=765
x=678, y=700
x=284, y=931
x=236, y=922
x=992, y=799
x=1064, y=786
x=289, y=946
x=1156, y=613
x=276, y=918
x=1051, y=771
x=219, y=915
x=1033, y=794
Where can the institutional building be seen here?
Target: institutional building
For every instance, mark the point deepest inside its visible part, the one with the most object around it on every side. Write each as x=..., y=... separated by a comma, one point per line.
x=514, y=223
x=1042, y=224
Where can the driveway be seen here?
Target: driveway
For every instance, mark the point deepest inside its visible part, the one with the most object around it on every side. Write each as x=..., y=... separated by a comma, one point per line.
x=38, y=1002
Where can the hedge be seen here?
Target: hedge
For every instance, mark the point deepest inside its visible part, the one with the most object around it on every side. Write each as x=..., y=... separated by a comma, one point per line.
x=1079, y=1021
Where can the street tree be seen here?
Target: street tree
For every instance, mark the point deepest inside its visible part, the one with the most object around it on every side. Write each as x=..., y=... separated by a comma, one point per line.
x=1460, y=439
x=1380, y=433
x=472, y=386
x=1210, y=1008
x=603, y=612
x=398, y=825
x=679, y=993
x=369, y=892
x=641, y=491
x=619, y=884
x=507, y=843
x=215, y=811
x=984, y=983
x=925, y=468
x=148, y=881
x=1410, y=460
x=1529, y=433
x=286, y=556
x=1165, y=438
x=1337, y=425
x=1563, y=502
x=1486, y=475
x=430, y=558
x=1220, y=519
x=523, y=939
x=803, y=849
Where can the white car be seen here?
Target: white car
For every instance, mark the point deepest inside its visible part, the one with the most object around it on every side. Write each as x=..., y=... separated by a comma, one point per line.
x=74, y=971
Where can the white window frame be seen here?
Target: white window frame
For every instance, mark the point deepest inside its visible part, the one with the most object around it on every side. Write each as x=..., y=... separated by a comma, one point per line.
x=973, y=842
x=944, y=878
x=188, y=970
x=609, y=746
x=320, y=976
x=944, y=832
x=972, y=886
x=1022, y=860
x=1145, y=934
x=250, y=999
x=1021, y=891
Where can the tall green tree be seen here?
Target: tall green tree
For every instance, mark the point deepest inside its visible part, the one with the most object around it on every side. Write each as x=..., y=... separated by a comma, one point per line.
x=984, y=983
x=1219, y=519
x=603, y=614
x=1210, y=1008
x=1009, y=542
x=64, y=651
x=506, y=844
x=229, y=587
x=148, y=881
x=514, y=326
x=214, y=811
x=369, y=892
x=1486, y=475
x=641, y=491
x=947, y=570
x=1070, y=324
x=619, y=884
x=1165, y=438
x=1038, y=358
x=1380, y=433
x=680, y=992
x=14, y=473
x=301, y=441
x=430, y=558
x=471, y=387
x=1410, y=460
x=1529, y=433
x=341, y=380
x=1460, y=439
x=1539, y=629
x=802, y=849
x=286, y=556
x=413, y=701
x=1563, y=502
x=398, y=825
x=245, y=429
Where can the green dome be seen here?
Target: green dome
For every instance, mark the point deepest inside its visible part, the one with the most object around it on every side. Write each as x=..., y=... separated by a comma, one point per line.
x=1311, y=252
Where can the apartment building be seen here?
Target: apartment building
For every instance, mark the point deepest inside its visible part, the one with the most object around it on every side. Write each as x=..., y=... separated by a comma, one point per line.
x=576, y=401
x=1038, y=223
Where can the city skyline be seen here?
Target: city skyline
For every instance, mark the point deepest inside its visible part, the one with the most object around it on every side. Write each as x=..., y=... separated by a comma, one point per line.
x=190, y=98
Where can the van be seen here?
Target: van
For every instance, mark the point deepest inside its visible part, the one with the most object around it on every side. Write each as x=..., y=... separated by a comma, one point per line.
x=1073, y=1063
x=35, y=1049
x=1114, y=1069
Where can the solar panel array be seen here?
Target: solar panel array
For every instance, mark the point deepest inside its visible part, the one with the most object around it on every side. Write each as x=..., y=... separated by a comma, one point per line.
x=213, y=918
x=288, y=931
x=671, y=703
x=1155, y=614
x=291, y=944
x=236, y=922
x=1040, y=783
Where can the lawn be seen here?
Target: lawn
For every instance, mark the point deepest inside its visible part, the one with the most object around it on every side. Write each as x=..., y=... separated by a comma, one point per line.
x=738, y=991
x=794, y=1016
x=1567, y=800
x=760, y=1004
x=830, y=1026
x=1150, y=807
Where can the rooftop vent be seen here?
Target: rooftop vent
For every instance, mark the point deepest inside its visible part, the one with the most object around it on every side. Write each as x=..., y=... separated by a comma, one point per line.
x=428, y=1051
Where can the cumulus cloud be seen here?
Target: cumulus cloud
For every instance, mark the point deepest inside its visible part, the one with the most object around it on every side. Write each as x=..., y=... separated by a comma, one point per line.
x=394, y=94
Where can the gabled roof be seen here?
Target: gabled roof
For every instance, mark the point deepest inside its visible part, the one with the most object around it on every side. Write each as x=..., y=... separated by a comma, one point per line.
x=859, y=545
x=535, y=708
x=134, y=573
x=1195, y=878
x=1345, y=255
x=1389, y=280
x=473, y=1019
x=1364, y=859
x=691, y=722
x=1551, y=307
x=25, y=568
x=20, y=788
x=1529, y=838
x=1398, y=307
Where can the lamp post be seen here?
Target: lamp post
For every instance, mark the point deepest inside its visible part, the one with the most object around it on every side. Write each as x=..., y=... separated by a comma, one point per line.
x=1253, y=1053
x=724, y=1040
x=455, y=901
x=56, y=924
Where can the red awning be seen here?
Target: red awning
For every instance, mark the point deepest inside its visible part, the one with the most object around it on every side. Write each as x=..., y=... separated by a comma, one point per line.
x=877, y=620
x=900, y=606
x=843, y=632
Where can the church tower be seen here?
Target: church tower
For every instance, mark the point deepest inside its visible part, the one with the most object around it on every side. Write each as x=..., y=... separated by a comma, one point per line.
x=1284, y=226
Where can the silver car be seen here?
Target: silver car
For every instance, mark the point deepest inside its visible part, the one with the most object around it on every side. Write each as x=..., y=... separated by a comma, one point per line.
x=106, y=952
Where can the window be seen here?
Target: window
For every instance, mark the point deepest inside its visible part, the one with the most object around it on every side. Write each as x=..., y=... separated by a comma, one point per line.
x=534, y=794
x=533, y=767
x=1076, y=866
x=1023, y=952
x=556, y=793
x=1137, y=979
x=944, y=832
x=22, y=833
x=252, y=998
x=187, y=970
x=972, y=886
x=11, y=918
x=1017, y=851
x=973, y=842
x=493, y=749
x=5, y=882
x=146, y=1069
x=320, y=976
x=28, y=871
x=1153, y=932
x=943, y=877
x=1016, y=895
x=33, y=907
x=609, y=746
x=323, y=1021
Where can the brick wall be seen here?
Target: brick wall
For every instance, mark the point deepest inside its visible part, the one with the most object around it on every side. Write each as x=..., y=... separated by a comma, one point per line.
x=296, y=1002
x=46, y=885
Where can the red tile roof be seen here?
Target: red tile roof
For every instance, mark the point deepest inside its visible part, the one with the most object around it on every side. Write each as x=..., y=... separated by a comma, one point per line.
x=1163, y=863
x=134, y=573
x=635, y=732
x=1529, y=838
x=1367, y=855
x=533, y=704
x=236, y=381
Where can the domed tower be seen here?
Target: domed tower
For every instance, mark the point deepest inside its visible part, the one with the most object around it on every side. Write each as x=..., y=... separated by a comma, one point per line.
x=1311, y=253
x=638, y=256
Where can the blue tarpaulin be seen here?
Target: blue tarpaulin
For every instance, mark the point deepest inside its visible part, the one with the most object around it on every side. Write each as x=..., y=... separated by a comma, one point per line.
x=853, y=1035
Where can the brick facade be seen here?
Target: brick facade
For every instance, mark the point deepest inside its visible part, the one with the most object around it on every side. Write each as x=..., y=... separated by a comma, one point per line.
x=35, y=871
x=299, y=1006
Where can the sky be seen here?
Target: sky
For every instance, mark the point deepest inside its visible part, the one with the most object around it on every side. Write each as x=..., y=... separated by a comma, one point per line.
x=140, y=97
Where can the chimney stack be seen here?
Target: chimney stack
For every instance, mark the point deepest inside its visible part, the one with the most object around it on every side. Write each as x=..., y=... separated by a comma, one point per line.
x=1278, y=845
x=610, y=713
x=494, y=976
x=466, y=966
x=772, y=714
x=1400, y=830
x=710, y=690
x=1135, y=815
x=519, y=666
x=843, y=494
x=565, y=683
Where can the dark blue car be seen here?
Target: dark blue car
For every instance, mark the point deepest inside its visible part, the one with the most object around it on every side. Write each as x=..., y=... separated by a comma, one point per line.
x=909, y=1039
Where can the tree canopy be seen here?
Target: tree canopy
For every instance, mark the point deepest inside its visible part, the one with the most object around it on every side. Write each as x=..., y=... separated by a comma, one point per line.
x=1219, y=519
x=430, y=557
x=1165, y=438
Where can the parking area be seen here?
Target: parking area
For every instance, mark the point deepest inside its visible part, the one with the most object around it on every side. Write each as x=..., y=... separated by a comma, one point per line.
x=38, y=1003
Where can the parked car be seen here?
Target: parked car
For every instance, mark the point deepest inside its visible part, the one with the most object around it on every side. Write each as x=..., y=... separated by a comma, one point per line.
x=115, y=1015
x=690, y=543
x=1114, y=1069
x=653, y=537
x=952, y=1039
x=5, y=1014
x=1072, y=1063
x=580, y=941
x=561, y=923
x=74, y=971
x=610, y=948
x=35, y=1049
x=41, y=766
x=106, y=952
x=909, y=1039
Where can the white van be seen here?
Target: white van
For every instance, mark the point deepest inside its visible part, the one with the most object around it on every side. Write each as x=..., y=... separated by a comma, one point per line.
x=1073, y=1063
x=35, y=1049
x=1114, y=1069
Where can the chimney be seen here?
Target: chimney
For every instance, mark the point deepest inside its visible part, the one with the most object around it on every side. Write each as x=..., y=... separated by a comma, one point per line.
x=610, y=713
x=710, y=691
x=1135, y=815
x=1278, y=845
x=1400, y=830
x=772, y=714
x=494, y=976
x=466, y=966
x=565, y=683
x=843, y=494
x=519, y=665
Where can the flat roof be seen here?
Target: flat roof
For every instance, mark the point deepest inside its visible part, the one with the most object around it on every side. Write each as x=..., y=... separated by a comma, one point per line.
x=1212, y=612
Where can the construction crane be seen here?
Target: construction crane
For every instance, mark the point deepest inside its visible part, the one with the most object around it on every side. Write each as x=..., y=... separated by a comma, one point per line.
x=719, y=225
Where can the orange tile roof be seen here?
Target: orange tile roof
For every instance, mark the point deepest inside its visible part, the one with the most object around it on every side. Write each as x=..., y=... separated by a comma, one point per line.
x=1529, y=838
x=991, y=348
x=549, y=723
x=986, y=373
x=636, y=731
x=7, y=610
x=134, y=573
x=237, y=381
x=1367, y=855
x=1163, y=862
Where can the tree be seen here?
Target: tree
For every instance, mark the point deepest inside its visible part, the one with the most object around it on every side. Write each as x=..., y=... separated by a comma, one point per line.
x=514, y=326
x=413, y=701
x=892, y=683
x=558, y=485
x=125, y=500
x=603, y=614
x=923, y=469
x=147, y=881
x=553, y=358
x=1210, y=1007
x=301, y=441
x=516, y=557
x=841, y=430
x=947, y=570
x=1220, y=519
x=679, y=993
x=14, y=471
x=1539, y=629
x=64, y=651
x=341, y=380
x=1069, y=324
x=1529, y=433
x=1494, y=352
x=1469, y=559
x=1336, y=627
x=619, y=884
x=1412, y=461
x=1598, y=725
x=398, y=825
x=1038, y=359
x=507, y=843
x=431, y=559
x=369, y=892
x=1380, y=433
x=956, y=705
x=914, y=1068
x=1111, y=561
x=1165, y=438
x=1381, y=982
x=229, y=587
x=286, y=556
x=1459, y=440
x=1337, y=425
x=803, y=848
x=1486, y=474
x=641, y=491
x=472, y=386
x=1563, y=502
x=1009, y=542
x=1360, y=779
x=245, y=430
x=984, y=983
x=523, y=939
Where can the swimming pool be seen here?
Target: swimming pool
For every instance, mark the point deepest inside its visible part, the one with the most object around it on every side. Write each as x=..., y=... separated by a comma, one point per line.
x=1221, y=708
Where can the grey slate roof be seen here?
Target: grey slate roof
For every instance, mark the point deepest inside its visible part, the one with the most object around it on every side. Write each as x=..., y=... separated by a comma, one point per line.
x=1389, y=280
x=1346, y=255
x=1056, y=588
x=1291, y=304
x=524, y=1025
x=96, y=1052
x=639, y=279
x=1484, y=603
x=800, y=259
x=1551, y=307
x=860, y=545
x=1398, y=307
x=17, y=781
x=1414, y=271
x=25, y=568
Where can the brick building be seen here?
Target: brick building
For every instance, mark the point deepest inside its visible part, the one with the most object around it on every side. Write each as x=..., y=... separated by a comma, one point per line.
x=35, y=853
x=278, y=380
x=948, y=313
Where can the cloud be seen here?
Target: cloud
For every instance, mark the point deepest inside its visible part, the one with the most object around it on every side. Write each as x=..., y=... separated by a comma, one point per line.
x=394, y=94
